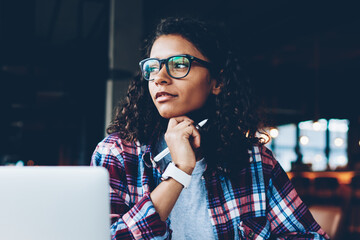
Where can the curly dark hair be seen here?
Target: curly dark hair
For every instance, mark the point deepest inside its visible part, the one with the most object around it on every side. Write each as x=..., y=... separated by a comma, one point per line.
x=233, y=119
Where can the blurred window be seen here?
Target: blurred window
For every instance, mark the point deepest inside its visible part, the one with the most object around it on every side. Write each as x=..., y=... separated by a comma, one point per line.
x=338, y=130
x=284, y=145
x=312, y=142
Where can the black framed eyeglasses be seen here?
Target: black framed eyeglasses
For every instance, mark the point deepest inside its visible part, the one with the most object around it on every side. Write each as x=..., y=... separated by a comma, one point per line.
x=177, y=66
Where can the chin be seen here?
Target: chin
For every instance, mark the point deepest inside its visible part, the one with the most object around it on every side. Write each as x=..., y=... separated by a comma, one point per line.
x=168, y=114
x=193, y=114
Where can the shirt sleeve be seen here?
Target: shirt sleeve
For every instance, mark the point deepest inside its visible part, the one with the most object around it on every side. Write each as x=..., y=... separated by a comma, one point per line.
x=137, y=220
x=289, y=217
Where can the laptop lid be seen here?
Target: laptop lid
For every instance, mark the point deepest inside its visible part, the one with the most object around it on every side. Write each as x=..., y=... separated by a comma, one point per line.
x=57, y=203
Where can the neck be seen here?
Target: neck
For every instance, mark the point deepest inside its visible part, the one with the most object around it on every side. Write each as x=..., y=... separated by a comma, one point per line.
x=198, y=115
x=205, y=112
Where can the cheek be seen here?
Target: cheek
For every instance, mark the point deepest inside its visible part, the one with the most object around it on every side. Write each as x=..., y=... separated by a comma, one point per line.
x=198, y=94
x=151, y=90
x=152, y=93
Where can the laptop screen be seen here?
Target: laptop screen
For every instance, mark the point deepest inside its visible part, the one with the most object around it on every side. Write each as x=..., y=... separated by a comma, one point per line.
x=54, y=203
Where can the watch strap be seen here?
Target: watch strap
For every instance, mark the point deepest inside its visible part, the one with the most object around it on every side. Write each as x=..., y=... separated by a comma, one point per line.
x=177, y=174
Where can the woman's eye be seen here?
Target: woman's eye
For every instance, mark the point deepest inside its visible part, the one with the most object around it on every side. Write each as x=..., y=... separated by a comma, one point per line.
x=153, y=69
x=180, y=65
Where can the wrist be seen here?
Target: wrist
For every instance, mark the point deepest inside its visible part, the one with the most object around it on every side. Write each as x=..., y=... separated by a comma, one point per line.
x=177, y=174
x=185, y=168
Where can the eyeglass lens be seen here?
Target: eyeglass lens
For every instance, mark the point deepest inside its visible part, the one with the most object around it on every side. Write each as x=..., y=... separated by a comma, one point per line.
x=177, y=66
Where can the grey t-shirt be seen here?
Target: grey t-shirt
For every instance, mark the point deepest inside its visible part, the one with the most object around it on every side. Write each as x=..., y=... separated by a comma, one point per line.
x=190, y=218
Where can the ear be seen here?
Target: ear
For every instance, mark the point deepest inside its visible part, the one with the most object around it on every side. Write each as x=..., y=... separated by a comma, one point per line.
x=216, y=88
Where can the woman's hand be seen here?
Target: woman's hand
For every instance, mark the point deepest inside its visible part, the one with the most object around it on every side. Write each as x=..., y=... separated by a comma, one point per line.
x=182, y=138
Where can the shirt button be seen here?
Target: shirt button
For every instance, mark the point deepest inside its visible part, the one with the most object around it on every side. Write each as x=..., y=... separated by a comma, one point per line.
x=251, y=235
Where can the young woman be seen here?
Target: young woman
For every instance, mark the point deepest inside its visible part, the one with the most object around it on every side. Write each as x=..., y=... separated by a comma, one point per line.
x=218, y=181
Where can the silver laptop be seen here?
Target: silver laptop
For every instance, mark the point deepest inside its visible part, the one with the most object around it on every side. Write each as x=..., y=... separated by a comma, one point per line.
x=54, y=203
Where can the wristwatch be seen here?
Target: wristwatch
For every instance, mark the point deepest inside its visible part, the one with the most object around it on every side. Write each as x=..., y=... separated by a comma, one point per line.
x=180, y=176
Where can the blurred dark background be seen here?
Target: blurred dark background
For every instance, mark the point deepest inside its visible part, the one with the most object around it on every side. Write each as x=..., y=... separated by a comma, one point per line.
x=65, y=63
x=53, y=68
x=303, y=58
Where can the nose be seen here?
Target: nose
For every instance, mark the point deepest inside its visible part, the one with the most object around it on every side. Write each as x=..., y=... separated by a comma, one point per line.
x=162, y=77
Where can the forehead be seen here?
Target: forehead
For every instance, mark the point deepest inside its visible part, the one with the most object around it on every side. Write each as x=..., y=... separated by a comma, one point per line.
x=169, y=45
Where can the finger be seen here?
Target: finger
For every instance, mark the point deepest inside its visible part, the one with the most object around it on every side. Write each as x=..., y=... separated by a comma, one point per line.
x=114, y=215
x=192, y=132
x=196, y=138
x=184, y=124
x=177, y=120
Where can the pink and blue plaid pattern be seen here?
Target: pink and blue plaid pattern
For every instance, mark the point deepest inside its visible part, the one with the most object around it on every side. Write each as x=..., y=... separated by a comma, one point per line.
x=260, y=204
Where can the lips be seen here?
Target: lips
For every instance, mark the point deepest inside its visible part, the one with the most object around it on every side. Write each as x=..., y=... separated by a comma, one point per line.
x=164, y=96
x=160, y=94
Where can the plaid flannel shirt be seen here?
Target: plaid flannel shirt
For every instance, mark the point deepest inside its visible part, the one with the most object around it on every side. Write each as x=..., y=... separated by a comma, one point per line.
x=260, y=204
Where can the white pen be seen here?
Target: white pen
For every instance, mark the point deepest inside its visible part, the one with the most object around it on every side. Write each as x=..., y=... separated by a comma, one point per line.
x=166, y=151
